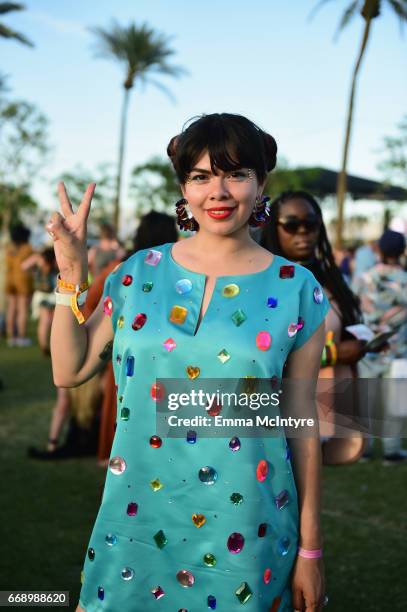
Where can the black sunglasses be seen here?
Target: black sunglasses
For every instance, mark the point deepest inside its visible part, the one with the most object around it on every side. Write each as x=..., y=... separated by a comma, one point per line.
x=293, y=224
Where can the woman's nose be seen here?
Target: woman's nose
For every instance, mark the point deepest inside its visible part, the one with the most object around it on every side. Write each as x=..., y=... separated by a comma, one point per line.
x=219, y=187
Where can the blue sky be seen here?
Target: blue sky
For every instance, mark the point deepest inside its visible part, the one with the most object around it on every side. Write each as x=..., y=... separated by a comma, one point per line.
x=263, y=59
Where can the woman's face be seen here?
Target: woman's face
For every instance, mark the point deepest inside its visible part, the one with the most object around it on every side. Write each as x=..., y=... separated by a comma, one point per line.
x=298, y=229
x=221, y=203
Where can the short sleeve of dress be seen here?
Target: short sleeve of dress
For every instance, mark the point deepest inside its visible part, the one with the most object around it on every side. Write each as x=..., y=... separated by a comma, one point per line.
x=313, y=308
x=113, y=295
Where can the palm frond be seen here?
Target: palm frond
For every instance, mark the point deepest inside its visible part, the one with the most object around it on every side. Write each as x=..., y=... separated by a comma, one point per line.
x=400, y=8
x=346, y=17
x=168, y=70
x=7, y=7
x=149, y=81
x=142, y=50
x=6, y=32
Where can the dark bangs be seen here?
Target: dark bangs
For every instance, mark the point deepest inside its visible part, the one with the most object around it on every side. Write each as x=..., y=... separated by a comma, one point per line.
x=232, y=142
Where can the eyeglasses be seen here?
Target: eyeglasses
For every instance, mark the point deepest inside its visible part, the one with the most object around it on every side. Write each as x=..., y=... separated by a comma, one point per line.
x=293, y=224
x=203, y=177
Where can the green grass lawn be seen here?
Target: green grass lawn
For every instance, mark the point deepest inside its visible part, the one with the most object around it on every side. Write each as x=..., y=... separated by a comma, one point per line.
x=48, y=509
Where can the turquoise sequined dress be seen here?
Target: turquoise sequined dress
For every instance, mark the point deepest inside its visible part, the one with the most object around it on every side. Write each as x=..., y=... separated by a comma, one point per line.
x=163, y=539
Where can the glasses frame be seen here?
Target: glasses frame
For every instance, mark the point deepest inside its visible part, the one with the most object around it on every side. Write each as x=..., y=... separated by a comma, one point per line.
x=310, y=226
x=251, y=174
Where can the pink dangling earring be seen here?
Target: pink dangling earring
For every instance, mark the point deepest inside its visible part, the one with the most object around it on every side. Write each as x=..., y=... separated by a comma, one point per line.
x=185, y=220
x=261, y=212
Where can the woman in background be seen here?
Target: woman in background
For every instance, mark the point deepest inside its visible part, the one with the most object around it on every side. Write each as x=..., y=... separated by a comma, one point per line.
x=43, y=306
x=297, y=231
x=107, y=249
x=19, y=286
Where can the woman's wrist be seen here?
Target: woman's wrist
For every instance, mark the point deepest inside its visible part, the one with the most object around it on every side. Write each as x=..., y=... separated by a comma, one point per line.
x=310, y=536
x=310, y=553
x=310, y=543
x=74, y=276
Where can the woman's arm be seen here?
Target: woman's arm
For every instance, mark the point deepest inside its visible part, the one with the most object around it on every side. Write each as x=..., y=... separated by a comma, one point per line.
x=303, y=366
x=302, y=372
x=31, y=261
x=350, y=351
x=79, y=351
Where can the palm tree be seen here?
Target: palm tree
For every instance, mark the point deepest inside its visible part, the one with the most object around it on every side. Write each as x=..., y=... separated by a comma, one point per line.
x=5, y=31
x=369, y=10
x=143, y=53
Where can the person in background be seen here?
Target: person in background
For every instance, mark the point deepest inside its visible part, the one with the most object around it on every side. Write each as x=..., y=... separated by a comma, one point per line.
x=43, y=305
x=43, y=300
x=106, y=250
x=18, y=286
x=297, y=231
x=366, y=257
x=346, y=264
x=383, y=295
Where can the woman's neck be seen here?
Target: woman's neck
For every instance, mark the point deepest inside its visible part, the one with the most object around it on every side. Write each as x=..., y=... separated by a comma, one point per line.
x=214, y=246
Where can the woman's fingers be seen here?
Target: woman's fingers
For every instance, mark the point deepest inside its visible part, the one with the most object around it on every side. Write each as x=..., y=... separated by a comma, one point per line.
x=84, y=207
x=312, y=602
x=55, y=228
x=298, y=602
x=66, y=205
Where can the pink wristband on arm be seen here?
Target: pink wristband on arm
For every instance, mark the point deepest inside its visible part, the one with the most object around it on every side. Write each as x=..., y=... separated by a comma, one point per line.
x=310, y=554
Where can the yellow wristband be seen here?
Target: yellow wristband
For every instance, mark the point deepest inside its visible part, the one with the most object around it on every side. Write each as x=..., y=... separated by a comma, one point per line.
x=61, y=284
x=334, y=353
x=75, y=308
x=329, y=342
x=71, y=300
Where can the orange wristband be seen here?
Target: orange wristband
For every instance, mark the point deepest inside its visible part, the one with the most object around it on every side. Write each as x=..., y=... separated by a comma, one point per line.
x=334, y=353
x=75, y=308
x=61, y=284
x=329, y=343
x=76, y=291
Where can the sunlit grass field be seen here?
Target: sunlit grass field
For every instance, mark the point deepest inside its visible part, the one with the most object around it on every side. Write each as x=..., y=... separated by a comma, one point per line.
x=48, y=508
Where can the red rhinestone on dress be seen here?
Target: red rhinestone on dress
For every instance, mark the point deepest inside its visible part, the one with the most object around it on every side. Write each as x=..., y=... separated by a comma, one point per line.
x=287, y=271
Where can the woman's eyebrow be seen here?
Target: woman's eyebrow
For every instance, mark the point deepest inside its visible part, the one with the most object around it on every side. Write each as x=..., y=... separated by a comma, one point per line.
x=201, y=170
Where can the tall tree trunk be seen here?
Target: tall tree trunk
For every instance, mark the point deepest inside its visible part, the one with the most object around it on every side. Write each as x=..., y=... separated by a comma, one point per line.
x=123, y=125
x=341, y=184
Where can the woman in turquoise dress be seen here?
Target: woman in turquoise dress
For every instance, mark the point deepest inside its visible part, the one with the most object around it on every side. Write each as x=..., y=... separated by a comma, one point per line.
x=199, y=519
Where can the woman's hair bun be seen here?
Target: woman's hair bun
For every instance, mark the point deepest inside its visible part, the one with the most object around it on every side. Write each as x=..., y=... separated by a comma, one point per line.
x=172, y=147
x=270, y=150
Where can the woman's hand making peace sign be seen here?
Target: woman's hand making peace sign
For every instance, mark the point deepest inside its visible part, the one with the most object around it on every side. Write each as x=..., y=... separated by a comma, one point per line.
x=68, y=231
